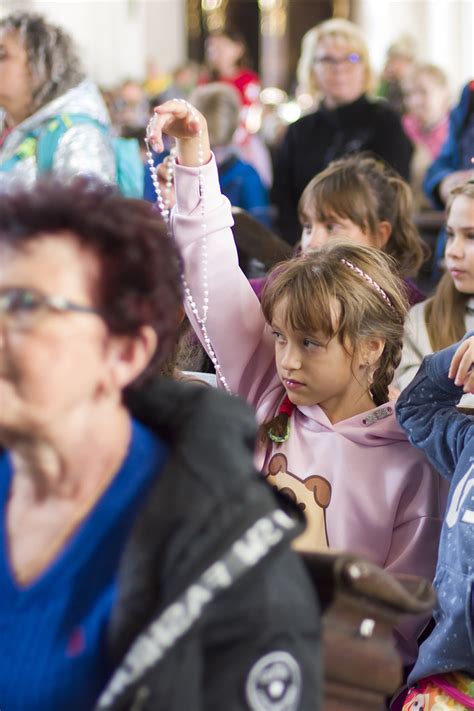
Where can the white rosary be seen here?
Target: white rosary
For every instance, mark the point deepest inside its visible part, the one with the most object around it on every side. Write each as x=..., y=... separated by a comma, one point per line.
x=164, y=207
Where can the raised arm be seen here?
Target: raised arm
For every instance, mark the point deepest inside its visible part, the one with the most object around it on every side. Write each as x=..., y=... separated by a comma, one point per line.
x=220, y=303
x=427, y=408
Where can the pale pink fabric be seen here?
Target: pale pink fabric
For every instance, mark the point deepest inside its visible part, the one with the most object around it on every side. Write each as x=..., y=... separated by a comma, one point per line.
x=432, y=139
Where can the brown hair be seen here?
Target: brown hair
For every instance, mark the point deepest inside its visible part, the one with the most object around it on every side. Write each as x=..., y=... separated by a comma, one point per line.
x=446, y=310
x=233, y=34
x=367, y=192
x=313, y=282
x=140, y=266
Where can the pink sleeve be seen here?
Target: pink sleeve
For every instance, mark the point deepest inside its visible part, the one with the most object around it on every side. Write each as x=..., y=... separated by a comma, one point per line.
x=237, y=331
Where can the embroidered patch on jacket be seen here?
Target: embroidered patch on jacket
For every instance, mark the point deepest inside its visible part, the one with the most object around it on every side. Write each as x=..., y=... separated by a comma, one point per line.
x=274, y=683
x=377, y=415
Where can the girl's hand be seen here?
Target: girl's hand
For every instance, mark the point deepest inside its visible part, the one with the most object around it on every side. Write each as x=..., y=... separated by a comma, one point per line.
x=461, y=366
x=182, y=121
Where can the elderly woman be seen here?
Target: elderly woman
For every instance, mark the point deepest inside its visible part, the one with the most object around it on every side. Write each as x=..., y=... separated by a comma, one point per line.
x=54, y=119
x=336, y=62
x=100, y=463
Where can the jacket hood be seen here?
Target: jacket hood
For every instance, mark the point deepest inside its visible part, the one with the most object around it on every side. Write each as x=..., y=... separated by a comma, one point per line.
x=374, y=428
x=84, y=98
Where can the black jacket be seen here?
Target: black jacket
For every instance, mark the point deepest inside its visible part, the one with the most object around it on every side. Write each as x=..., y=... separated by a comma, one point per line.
x=315, y=140
x=255, y=644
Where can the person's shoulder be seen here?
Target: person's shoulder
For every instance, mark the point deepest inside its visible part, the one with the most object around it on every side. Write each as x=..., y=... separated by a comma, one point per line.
x=245, y=169
x=417, y=311
x=382, y=109
x=305, y=124
x=247, y=75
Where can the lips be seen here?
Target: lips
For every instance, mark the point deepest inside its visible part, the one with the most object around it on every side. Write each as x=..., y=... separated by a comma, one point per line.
x=292, y=384
x=457, y=273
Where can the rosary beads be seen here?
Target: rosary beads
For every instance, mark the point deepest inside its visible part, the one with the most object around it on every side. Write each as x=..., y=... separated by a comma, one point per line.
x=164, y=206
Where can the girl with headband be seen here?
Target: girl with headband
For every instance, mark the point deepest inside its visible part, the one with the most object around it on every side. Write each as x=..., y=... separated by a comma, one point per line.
x=315, y=359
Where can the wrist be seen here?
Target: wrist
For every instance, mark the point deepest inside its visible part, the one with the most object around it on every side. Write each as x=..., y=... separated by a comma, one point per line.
x=193, y=152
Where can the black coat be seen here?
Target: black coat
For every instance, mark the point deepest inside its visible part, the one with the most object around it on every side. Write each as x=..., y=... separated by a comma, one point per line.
x=256, y=644
x=315, y=140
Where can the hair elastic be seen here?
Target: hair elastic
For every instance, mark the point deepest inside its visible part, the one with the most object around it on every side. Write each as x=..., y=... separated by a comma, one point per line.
x=286, y=408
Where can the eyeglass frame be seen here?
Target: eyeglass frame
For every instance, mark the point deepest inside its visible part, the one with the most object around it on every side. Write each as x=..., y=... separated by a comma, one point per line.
x=326, y=61
x=52, y=302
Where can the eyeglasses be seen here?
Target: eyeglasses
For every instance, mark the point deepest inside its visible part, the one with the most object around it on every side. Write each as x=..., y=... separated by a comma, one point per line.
x=327, y=61
x=24, y=308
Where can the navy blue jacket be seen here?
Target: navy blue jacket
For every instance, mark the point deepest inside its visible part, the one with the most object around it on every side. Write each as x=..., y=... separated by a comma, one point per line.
x=450, y=158
x=427, y=411
x=242, y=185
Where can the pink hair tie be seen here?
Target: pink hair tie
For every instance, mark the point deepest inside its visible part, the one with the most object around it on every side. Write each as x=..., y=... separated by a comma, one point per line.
x=369, y=280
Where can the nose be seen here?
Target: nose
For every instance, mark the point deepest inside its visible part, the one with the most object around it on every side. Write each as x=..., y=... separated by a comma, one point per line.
x=317, y=238
x=455, y=247
x=290, y=359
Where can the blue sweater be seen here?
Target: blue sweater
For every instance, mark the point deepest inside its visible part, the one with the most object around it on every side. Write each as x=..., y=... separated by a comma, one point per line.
x=52, y=632
x=426, y=410
x=242, y=185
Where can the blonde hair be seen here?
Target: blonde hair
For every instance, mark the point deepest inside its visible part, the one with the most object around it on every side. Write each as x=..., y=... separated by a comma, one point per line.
x=367, y=192
x=435, y=73
x=446, y=310
x=220, y=105
x=313, y=282
x=338, y=29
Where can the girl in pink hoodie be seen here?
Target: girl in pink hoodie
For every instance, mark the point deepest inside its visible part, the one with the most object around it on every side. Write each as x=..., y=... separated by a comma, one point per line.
x=315, y=360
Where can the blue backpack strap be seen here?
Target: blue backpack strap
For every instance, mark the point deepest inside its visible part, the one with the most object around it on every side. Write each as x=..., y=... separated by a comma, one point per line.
x=129, y=165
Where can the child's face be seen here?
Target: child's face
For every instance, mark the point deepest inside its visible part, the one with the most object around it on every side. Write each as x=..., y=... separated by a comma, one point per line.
x=317, y=233
x=459, y=254
x=426, y=99
x=222, y=53
x=315, y=371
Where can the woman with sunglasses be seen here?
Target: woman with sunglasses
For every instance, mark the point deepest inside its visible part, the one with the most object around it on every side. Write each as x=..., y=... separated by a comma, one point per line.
x=335, y=65
x=103, y=466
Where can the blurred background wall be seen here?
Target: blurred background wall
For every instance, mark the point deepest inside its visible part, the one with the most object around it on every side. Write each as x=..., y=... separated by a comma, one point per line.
x=118, y=37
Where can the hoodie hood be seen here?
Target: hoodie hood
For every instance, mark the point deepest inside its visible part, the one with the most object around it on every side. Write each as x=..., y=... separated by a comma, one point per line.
x=374, y=428
x=84, y=98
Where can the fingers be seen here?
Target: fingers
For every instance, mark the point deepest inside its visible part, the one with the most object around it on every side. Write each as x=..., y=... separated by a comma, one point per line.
x=461, y=365
x=456, y=360
x=176, y=118
x=164, y=172
x=179, y=109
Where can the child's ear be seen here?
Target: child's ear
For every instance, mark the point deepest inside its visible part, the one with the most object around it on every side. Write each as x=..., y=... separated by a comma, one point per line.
x=384, y=233
x=370, y=349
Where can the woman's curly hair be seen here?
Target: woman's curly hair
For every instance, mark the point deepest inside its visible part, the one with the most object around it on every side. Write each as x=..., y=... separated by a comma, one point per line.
x=53, y=61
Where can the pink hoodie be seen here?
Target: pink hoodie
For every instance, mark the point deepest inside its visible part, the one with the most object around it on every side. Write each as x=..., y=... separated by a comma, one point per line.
x=363, y=487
